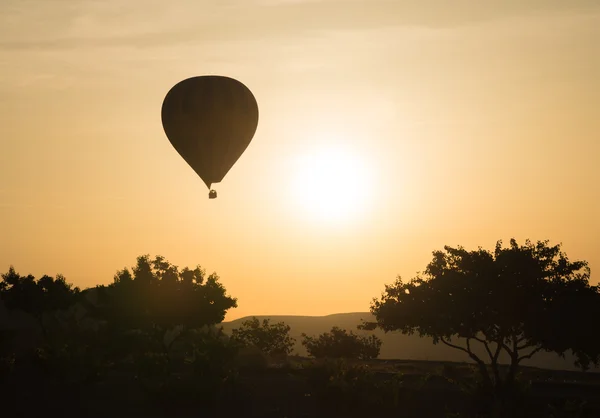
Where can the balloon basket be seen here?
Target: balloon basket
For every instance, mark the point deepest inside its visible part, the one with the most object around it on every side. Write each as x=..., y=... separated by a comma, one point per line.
x=212, y=194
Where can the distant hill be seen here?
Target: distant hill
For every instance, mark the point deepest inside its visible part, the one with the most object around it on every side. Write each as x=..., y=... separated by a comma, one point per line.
x=395, y=345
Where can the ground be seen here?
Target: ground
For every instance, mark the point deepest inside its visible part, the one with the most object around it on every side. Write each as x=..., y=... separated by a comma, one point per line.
x=295, y=390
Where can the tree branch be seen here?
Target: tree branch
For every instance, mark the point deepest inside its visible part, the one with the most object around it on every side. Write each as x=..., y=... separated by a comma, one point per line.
x=507, y=348
x=498, y=350
x=479, y=339
x=515, y=351
x=522, y=347
x=466, y=350
x=487, y=348
x=493, y=359
x=485, y=344
x=529, y=355
x=458, y=347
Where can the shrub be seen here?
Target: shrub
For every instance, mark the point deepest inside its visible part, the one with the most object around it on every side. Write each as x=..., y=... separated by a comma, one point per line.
x=271, y=339
x=338, y=343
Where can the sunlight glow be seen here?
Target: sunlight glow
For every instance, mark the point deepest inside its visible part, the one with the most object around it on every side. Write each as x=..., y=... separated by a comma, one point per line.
x=332, y=184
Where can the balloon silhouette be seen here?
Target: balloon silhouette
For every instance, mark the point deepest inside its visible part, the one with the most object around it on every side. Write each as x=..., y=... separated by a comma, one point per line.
x=210, y=121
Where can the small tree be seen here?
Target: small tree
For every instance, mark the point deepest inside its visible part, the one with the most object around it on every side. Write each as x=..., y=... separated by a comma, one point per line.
x=519, y=300
x=338, y=343
x=271, y=339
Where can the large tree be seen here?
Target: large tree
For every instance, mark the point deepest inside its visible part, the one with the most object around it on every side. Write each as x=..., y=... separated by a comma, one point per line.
x=160, y=295
x=519, y=300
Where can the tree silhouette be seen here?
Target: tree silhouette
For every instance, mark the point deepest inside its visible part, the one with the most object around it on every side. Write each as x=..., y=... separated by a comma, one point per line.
x=159, y=295
x=271, y=339
x=36, y=296
x=519, y=300
x=338, y=343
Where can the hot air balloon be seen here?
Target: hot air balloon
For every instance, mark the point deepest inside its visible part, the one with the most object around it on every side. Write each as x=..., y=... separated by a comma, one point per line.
x=210, y=121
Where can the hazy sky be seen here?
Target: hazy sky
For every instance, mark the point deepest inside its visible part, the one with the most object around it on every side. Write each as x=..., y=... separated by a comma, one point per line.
x=454, y=123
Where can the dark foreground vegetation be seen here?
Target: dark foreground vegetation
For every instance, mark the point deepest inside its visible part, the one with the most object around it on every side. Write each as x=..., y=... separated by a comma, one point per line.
x=150, y=345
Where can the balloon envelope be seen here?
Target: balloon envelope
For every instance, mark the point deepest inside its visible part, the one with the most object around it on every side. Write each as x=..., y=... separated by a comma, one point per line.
x=210, y=121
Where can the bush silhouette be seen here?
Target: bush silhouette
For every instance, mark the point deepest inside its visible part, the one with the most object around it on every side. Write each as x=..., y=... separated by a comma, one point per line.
x=36, y=296
x=338, y=343
x=271, y=339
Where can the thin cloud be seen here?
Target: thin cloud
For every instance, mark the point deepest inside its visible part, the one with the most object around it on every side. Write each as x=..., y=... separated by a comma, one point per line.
x=179, y=23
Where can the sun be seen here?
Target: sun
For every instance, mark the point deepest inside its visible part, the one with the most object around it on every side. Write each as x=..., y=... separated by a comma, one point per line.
x=332, y=184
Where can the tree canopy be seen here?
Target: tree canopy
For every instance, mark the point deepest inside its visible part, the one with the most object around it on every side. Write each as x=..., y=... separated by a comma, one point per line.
x=158, y=293
x=36, y=296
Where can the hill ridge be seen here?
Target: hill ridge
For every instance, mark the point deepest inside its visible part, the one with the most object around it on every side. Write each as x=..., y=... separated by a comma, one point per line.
x=243, y=318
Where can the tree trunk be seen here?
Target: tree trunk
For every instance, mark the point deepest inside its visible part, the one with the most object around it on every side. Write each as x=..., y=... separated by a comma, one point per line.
x=504, y=391
x=512, y=371
x=488, y=383
x=496, y=372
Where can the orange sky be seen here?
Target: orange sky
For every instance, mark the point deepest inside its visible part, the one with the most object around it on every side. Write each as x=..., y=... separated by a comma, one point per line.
x=466, y=124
